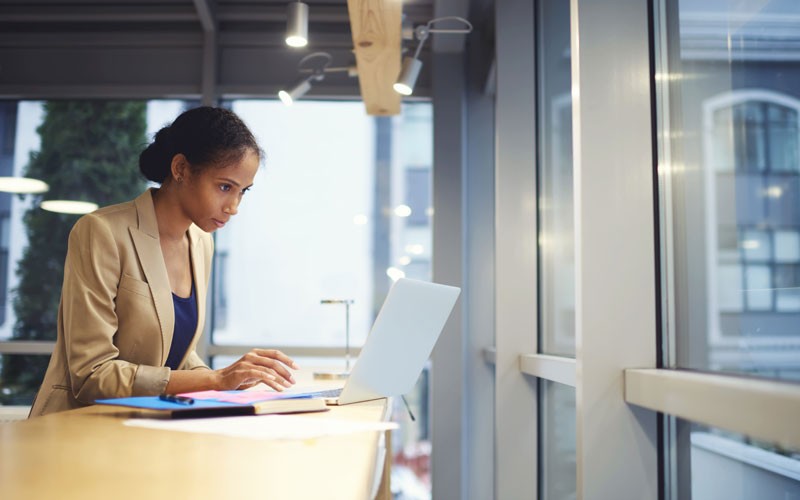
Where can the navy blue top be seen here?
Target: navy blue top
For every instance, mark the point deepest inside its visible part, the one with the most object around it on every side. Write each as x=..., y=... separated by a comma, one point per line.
x=185, y=325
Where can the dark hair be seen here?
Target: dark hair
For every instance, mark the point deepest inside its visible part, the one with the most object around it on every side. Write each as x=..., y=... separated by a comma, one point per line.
x=206, y=136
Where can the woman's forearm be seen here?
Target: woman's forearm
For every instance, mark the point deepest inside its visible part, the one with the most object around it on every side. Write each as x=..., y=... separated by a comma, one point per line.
x=192, y=380
x=266, y=366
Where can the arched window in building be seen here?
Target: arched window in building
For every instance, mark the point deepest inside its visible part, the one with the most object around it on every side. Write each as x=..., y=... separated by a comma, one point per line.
x=752, y=178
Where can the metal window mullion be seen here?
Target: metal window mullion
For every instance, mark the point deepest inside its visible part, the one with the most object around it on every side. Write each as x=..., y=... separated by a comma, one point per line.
x=26, y=347
x=516, y=403
x=44, y=347
x=448, y=363
x=300, y=351
x=614, y=246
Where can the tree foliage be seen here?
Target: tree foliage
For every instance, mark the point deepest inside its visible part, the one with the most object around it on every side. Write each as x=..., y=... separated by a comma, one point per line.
x=89, y=152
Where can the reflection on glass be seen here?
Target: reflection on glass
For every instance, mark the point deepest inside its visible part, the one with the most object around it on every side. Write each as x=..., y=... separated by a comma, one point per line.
x=730, y=208
x=556, y=231
x=557, y=473
x=713, y=463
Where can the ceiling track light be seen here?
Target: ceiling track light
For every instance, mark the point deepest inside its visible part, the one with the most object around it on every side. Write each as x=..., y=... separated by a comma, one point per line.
x=295, y=91
x=409, y=71
x=316, y=65
x=297, y=24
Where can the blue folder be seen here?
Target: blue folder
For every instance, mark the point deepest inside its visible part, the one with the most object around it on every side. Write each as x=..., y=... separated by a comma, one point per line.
x=200, y=407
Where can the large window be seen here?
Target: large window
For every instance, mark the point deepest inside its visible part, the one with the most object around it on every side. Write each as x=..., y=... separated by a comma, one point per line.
x=730, y=215
x=303, y=232
x=335, y=213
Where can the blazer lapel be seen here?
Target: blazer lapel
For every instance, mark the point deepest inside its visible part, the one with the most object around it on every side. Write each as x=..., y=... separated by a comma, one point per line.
x=148, y=248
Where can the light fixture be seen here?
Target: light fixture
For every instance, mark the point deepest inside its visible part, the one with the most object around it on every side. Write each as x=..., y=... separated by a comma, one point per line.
x=297, y=24
x=316, y=65
x=22, y=185
x=296, y=91
x=394, y=273
x=402, y=210
x=411, y=67
x=68, y=206
x=414, y=249
x=750, y=244
x=408, y=75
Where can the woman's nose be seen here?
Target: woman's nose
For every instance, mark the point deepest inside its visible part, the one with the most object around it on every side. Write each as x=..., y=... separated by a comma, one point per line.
x=232, y=208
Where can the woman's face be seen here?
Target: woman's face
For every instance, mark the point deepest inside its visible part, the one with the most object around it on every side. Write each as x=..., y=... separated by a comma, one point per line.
x=214, y=194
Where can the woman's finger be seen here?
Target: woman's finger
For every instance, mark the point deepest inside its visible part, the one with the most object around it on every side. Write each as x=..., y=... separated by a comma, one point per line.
x=269, y=379
x=278, y=368
x=276, y=354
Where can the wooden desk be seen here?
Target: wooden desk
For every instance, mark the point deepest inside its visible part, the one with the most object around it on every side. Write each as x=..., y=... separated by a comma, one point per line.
x=88, y=453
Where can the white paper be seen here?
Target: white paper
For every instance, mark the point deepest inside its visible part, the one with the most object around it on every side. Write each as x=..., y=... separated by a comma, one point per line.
x=265, y=426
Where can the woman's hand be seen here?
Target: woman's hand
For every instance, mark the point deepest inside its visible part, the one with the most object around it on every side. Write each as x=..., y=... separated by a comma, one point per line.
x=267, y=366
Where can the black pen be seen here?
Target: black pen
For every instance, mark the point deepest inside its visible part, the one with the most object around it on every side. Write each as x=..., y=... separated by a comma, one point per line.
x=181, y=400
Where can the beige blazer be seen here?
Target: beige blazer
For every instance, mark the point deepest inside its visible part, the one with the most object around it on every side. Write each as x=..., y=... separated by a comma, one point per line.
x=116, y=316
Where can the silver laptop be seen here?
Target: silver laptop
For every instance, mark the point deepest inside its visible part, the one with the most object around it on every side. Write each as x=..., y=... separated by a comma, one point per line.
x=400, y=342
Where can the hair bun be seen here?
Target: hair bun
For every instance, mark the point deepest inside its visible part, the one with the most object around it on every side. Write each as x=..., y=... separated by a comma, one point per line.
x=155, y=161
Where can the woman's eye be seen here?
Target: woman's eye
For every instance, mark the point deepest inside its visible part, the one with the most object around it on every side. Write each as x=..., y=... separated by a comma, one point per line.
x=245, y=190
x=225, y=187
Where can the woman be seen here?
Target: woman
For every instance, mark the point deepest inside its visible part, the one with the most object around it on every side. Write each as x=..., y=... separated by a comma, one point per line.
x=136, y=275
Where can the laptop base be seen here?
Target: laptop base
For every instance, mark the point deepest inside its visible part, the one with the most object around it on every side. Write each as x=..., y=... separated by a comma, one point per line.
x=331, y=375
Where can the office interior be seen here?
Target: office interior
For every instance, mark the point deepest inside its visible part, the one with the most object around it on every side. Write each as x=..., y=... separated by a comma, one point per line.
x=615, y=186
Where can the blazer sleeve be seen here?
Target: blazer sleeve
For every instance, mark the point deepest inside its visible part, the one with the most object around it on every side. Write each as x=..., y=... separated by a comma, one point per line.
x=193, y=362
x=91, y=278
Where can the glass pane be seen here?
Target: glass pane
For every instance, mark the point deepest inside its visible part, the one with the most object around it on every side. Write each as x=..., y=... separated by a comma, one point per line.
x=84, y=150
x=556, y=231
x=21, y=376
x=323, y=222
x=723, y=139
x=729, y=200
x=759, y=288
x=787, y=287
x=783, y=141
x=787, y=246
x=730, y=288
x=756, y=245
x=748, y=136
x=557, y=474
x=297, y=239
x=712, y=463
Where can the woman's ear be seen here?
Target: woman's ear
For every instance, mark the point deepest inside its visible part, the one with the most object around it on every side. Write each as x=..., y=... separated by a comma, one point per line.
x=179, y=167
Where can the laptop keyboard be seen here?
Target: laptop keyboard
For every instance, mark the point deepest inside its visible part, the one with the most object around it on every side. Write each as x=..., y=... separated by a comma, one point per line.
x=330, y=393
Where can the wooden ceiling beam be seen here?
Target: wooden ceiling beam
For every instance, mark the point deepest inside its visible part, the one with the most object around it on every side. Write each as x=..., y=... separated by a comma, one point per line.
x=376, y=29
